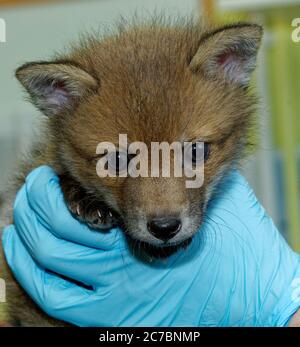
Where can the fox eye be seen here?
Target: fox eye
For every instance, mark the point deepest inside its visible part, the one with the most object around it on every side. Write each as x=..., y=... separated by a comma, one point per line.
x=117, y=162
x=198, y=146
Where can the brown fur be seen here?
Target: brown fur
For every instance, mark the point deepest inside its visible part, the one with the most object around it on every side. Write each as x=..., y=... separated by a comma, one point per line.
x=155, y=82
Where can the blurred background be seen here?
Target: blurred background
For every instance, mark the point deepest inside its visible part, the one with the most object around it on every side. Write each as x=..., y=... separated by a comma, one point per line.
x=35, y=29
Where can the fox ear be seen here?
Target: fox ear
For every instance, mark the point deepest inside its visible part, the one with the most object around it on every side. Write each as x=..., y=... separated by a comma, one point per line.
x=229, y=53
x=56, y=87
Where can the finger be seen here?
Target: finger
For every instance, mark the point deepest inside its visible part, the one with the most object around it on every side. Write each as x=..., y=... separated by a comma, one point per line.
x=237, y=192
x=30, y=276
x=78, y=262
x=58, y=297
x=238, y=213
x=46, y=199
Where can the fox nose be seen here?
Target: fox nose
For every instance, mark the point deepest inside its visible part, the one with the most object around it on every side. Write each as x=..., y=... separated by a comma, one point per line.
x=164, y=228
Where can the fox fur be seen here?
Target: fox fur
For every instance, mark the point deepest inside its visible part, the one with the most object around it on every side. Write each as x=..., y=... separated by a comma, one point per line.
x=158, y=80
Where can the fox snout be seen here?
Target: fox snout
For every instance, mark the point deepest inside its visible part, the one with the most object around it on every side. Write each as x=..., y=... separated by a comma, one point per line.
x=164, y=228
x=160, y=211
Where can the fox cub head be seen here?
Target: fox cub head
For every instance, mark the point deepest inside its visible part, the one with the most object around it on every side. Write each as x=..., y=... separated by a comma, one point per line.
x=154, y=82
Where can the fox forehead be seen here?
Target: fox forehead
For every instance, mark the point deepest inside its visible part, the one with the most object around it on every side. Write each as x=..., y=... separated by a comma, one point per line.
x=148, y=91
x=189, y=110
x=145, y=81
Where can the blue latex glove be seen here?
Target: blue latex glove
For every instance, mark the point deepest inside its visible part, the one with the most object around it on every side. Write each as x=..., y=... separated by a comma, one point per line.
x=238, y=271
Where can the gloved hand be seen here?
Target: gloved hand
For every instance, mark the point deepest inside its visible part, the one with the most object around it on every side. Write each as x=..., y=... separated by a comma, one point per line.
x=238, y=271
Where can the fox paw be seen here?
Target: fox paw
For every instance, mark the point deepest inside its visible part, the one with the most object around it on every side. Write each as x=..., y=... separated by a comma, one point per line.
x=96, y=217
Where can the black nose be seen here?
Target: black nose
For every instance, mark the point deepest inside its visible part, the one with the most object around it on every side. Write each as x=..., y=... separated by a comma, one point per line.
x=164, y=228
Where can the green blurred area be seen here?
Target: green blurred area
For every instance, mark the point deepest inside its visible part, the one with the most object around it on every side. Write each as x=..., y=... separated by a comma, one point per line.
x=284, y=85
x=284, y=73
